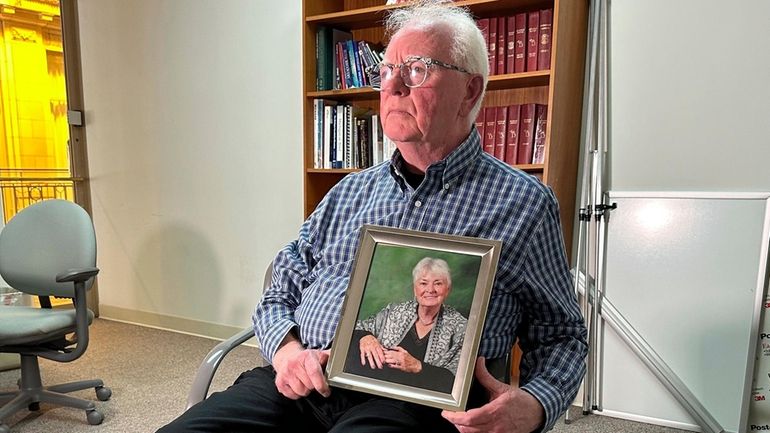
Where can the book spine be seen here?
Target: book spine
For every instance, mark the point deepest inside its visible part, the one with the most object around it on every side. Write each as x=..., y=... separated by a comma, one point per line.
x=533, y=29
x=519, y=62
x=318, y=135
x=492, y=46
x=526, y=134
x=541, y=124
x=512, y=137
x=490, y=121
x=342, y=65
x=510, y=44
x=328, y=134
x=544, y=52
x=339, y=137
x=501, y=125
x=351, y=53
x=501, y=34
x=376, y=140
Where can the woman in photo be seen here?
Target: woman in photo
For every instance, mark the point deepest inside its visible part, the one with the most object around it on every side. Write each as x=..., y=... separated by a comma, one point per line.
x=416, y=342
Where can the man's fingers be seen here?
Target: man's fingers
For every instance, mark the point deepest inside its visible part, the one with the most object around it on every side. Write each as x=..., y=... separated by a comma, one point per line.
x=473, y=418
x=494, y=386
x=316, y=375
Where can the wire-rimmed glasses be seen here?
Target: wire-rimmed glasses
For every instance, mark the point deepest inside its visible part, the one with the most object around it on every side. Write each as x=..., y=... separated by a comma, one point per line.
x=413, y=71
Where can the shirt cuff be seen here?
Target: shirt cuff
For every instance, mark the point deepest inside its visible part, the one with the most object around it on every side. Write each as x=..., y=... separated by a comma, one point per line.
x=549, y=397
x=273, y=337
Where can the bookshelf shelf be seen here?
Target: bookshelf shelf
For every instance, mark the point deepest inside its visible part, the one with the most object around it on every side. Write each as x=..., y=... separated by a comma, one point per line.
x=560, y=88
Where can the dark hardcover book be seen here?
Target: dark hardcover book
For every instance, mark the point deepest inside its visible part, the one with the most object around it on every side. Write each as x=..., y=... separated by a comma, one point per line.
x=533, y=29
x=512, y=134
x=324, y=72
x=501, y=126
x=544, y=36
x=490, y=121
x=541, y=124
x=510, y=44
x=526, y=134
x=520, y=42
x=480, y=125
x=342, y=65
x=492, y=46
x=501, y=34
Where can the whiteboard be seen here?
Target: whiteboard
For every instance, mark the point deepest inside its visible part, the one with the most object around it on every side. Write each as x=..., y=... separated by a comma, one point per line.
x=687, y=271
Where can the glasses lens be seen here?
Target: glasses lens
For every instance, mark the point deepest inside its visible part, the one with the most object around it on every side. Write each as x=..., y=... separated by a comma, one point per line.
x=414, y=73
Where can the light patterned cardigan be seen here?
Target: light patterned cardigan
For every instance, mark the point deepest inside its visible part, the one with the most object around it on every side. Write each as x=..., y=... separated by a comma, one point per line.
x=393, y=322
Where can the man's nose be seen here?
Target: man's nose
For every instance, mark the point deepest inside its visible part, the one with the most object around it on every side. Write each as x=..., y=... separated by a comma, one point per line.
x=394, y=85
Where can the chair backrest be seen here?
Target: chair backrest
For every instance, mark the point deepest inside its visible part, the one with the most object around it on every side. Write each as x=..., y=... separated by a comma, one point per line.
x=43, y=240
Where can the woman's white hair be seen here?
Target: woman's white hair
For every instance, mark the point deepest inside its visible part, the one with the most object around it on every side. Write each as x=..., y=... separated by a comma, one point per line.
x=429, y=264
x=468, y=48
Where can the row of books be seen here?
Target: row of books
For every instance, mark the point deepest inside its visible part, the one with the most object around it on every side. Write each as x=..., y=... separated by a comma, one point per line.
x=345, y=136
x=518, y=43
x=515, y=133
x=341, y=61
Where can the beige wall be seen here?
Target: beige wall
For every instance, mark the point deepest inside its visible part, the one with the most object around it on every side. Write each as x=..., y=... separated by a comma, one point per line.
x=194, y=132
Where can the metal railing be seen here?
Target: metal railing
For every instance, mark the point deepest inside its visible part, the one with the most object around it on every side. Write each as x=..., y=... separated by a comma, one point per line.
x=20, y=188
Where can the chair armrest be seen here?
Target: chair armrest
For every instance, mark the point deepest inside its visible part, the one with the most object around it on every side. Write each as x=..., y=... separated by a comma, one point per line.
x=203, y=377
x=79, y=274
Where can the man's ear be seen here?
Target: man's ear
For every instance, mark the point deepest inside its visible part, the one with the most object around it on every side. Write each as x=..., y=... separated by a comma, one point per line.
x=473, y=92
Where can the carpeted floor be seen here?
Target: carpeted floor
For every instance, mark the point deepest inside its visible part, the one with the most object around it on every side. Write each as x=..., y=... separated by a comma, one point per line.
x=150, y=372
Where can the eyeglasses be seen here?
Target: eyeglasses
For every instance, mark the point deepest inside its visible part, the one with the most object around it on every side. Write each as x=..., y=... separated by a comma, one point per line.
x=414, y=71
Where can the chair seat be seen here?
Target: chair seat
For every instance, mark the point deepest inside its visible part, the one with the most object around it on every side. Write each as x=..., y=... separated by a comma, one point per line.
x=22, y=325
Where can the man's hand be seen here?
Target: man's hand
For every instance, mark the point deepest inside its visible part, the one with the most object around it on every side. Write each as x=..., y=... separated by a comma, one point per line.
x=299, y=371
x=509, y=409
x=400, y=359
x=372, y=351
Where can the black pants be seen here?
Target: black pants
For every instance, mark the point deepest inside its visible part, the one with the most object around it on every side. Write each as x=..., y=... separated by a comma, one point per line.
x=253, y=404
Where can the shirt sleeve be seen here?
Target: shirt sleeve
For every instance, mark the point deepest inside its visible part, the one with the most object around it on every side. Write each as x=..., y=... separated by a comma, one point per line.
x=273, y=316
x=553, y=334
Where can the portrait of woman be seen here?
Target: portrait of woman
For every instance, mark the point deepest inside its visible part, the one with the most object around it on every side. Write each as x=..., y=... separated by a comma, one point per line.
x=415, y=341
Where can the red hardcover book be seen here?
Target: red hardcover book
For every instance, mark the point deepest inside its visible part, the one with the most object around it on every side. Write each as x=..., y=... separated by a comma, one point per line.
x=501, y=126
x=520, y=43
x=533, y=29
x=480, y=125
x=492, y=46
x=544, y=36
x=501, y=33
x=512, y=137
x=526, y=134
x=510, y=44
x=541, y=123
x=490, y=118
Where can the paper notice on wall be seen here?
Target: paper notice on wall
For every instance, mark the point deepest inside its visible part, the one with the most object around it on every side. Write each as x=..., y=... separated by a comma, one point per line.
x=759, y=408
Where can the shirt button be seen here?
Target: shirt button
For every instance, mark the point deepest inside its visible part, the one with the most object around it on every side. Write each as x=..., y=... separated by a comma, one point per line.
x=417, y=203
x=446, y=186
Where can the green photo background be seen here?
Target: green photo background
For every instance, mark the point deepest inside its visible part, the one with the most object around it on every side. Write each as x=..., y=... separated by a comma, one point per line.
x=390, y=277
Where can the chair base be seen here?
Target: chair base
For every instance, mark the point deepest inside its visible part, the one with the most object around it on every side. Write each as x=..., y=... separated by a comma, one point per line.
x=32, y=392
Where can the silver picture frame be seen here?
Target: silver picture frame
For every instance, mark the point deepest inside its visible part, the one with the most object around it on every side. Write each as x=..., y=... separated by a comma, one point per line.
x=384, y=253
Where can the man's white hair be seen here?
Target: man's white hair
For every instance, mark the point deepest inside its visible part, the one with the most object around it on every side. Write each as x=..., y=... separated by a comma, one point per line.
x=468, y=48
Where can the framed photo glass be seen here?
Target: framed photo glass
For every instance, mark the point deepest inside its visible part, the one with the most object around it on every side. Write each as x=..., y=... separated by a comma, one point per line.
x=413, y=316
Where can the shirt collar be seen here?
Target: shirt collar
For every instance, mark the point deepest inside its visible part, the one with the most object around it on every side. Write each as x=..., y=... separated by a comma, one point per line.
x=449, y=168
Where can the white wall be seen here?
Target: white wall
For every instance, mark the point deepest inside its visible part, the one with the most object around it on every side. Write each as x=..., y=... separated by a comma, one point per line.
x=194, y=139
x=690, y=110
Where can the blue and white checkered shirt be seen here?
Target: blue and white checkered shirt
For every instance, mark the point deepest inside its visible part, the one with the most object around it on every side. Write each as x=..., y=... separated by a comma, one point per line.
x=468, y=193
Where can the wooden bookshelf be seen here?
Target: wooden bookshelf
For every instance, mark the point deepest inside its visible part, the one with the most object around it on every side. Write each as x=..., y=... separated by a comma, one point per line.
x=561, y=87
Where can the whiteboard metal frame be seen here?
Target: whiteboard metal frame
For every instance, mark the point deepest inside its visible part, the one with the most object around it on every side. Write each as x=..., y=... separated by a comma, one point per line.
x=650, y=358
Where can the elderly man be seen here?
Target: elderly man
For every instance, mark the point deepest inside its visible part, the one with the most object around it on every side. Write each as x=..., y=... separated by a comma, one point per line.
x=439, y=180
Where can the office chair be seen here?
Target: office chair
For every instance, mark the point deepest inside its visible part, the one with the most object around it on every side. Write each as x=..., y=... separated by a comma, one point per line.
x=48, y=249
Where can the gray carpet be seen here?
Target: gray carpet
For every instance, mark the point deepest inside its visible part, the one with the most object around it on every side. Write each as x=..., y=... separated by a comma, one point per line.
x=150, y=372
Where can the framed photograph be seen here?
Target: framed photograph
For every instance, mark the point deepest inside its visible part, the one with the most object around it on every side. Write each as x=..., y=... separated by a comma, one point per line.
x=413, y=316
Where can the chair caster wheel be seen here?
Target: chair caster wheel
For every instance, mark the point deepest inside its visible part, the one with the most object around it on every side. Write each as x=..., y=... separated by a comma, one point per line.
x=34, y=407
x=94, y=417
x=103, y=393
x=4, y=429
